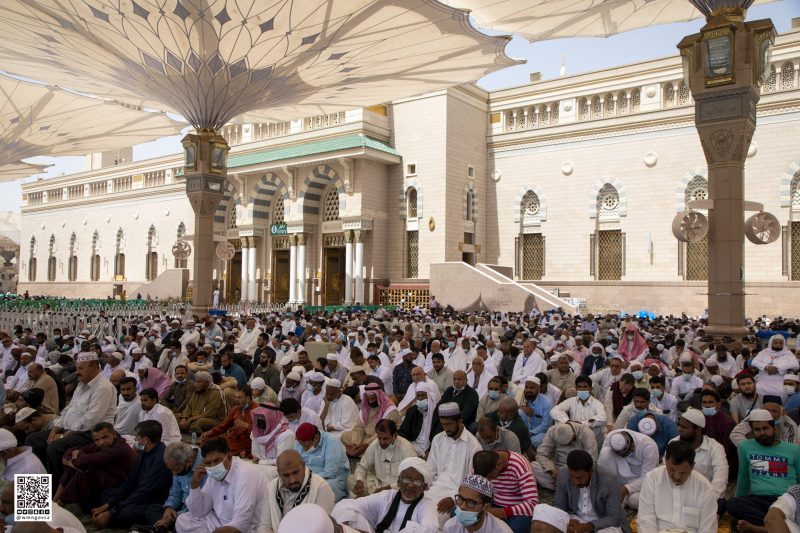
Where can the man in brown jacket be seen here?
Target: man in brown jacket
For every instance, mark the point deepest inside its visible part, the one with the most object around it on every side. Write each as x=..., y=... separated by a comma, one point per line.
x=39, y=379
x=205, y=408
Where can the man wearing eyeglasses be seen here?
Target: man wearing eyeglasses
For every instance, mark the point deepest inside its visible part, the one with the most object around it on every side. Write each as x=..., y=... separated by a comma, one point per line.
x=473, y=501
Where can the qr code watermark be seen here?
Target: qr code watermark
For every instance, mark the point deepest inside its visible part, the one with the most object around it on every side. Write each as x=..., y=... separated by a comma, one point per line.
x=32, y=502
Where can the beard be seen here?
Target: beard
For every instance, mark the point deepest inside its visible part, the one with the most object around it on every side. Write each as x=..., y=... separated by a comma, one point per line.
x=373, y=404
x=766, y=440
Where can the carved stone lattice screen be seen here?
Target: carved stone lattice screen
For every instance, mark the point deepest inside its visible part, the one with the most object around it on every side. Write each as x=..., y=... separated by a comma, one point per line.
x=412, y=297
x=532, y=256
x=412, y=254
x=697, y=260
x=609, y=255
x=795, y=244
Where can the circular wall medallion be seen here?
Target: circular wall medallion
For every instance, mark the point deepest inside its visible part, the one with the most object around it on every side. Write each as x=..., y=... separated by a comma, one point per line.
x=225, y=251
x=181, y=249
x=753, y=149
x=108, y=219
x=431, y=224
x=166, y=212
x=496, y=175
x=567, y=168
x=650, y=92
x=650, y=159
x=568, y=106
x=136, y=216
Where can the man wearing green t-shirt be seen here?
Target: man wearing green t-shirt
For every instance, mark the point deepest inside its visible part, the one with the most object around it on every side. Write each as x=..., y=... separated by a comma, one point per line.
x=767, y=468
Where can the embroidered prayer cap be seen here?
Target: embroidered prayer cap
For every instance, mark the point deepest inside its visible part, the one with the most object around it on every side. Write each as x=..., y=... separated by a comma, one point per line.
x=202, y=375
x=335, y=383
x=420, y=465
x=87, y=356
x=759, y=415
x=696, y=417
x=137, y=351
x=294, y=376
x=258, y=384
x=716, y=380
x=117, y=355
x=533, y=379
x=449, y=410
x=305, y=432
x=620, y=441
x=647, y=426
x=316, y=377
x=479, y=484
x=551, y=515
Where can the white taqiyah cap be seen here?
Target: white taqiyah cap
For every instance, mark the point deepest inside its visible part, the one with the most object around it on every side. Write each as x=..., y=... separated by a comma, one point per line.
x=551, y=515
x=647, y=426
x=759, y=415
x=695, y=417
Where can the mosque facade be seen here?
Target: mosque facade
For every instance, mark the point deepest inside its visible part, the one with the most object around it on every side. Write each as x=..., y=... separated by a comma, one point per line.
x=572, y=182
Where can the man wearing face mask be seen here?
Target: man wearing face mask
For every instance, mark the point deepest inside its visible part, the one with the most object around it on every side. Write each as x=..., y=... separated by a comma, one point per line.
x=472, y=508
x=640, y=405
x=231, y=496
x=768, y=468
x=182, y=460
x=171, y=358
x=147, y=483
x=178, y=393
x=324, y=455
x=314, y=395
x=559, y=441
x=491, y=401
x=659, y=398
x=378, y=468
x=685, y=384
x=583, y=408
x=416, y=426
x=595, y=360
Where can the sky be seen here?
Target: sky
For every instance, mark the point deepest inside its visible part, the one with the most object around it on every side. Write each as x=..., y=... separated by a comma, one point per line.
x=579, y=55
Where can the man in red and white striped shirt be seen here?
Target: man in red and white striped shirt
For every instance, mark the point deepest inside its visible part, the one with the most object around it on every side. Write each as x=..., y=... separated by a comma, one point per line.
x=515, y=492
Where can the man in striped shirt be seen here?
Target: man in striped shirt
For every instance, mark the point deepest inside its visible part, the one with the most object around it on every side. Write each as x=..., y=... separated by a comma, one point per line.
x=515, y=492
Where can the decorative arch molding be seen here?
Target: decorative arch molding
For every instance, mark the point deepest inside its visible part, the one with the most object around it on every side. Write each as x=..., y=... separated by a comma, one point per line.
x=73, y=243
x=152, y=236
x=314, y=186
x=96, y=242
x=119, y=241
x=264, y=193
x=518, y=203
x=410, y=184
x=231, y=195
x=599, y=184
x=791, y=172
x=469, y=194
x=680, y=190
x=34, y=248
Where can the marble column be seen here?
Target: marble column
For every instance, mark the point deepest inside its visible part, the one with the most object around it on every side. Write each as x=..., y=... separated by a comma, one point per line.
x=301, y=268
x=359, y=266
x=348, y=267
x=245, y=271
x=292, y=270
x=251, y=272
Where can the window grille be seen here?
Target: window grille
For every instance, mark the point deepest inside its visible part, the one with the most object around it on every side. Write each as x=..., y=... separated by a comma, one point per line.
x=609, y=255
x=684, y=95
x=771, y=83
x=697, y=260
x=412, y=254
x=597, y=110
x=787, y=75
x=609, y=104
x=622, y=103
x=669, y=95
x=530, y=208
x=411, y=205
x=278, y=217
x=532, y=256
x=583, y=109
x=407, y=297
x=331, y=211
x=636, y=99
x=795, y=250
x=608, y=202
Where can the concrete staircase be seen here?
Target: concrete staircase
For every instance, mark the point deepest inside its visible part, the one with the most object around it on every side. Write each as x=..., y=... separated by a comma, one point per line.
x=171, y=283
x=488, y=288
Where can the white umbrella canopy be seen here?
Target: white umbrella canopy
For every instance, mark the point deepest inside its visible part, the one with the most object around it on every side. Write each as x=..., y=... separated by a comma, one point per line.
x=212, y=60
x=538, y=20
x=38, y=120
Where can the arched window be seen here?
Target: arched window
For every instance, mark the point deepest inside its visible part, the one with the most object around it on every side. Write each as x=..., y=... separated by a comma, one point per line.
x=72, y=271
x=597, y=108
x=331, y=207
x=119, y=256
x=636, y=99
x=554, y=115
x=411, y=203
x=684, y=95
x=278, y=215
x=530, y=208
x=94, y=259
x=544, y=115
x=583, y=109
x=181, y=263
x=32, y=261
x=608, y=202
x=609, y=104
x=669, y=95
x=51, y=259
x=787, y=75
x=622, y=103
x=151, y=259
x=771, y=83
x=697, y=252
x=469, y=207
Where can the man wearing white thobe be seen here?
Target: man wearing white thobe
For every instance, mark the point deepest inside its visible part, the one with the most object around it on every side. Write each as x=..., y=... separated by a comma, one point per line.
x=676, y=497
x=339, y=412
x=248, y=340
x=152, y=410
x=529, y=363
x=230, y=498
x=128, y=407
x=583, y=408
x=630, y=455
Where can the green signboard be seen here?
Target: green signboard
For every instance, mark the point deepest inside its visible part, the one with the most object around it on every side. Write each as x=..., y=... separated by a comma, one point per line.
x=278, y=229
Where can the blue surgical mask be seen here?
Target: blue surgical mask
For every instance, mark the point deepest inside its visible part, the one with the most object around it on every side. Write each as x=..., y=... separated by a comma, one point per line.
x=583, y=395
x=657, y=393
x=493, y=394
x=709, y=411
x=466, y=518
x=639, y=411
x=688, y=377
x=289, y=389
x=217, y=472
x=309, y=387
x=637, y=375
x=139, y=446
x=422, y=405
x=451, y=344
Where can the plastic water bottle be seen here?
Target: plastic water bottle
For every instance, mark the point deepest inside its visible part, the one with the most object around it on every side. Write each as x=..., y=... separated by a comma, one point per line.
x=194, y=437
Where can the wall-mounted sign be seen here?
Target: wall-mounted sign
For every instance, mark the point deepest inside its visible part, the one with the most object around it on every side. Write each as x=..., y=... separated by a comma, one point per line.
x=278, y=229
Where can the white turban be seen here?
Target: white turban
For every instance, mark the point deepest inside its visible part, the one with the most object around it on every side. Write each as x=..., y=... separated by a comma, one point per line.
x=551, y=515
x=419, y=465
x=308, y=517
